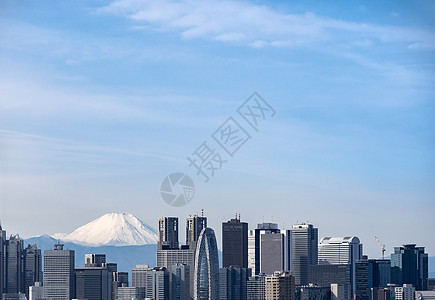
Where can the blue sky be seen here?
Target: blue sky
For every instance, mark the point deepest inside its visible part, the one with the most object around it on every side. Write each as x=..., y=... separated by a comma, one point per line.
x=101, y=100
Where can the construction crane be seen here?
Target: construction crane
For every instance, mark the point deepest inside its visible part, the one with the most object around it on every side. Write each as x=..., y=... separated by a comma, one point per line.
x=382, y=247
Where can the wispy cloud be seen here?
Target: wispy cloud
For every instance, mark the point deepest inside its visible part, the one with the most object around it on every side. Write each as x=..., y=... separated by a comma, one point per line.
x=257, y=25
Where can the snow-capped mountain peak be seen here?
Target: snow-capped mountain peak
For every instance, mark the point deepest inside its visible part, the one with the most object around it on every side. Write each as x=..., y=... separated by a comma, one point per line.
x=115, y=229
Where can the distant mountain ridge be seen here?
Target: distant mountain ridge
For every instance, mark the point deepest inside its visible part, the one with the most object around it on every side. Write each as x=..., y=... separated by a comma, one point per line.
x=124, y=239
x=127, y=257
x=112, y=229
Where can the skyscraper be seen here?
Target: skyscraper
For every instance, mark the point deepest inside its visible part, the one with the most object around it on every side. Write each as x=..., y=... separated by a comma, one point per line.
x=119, y=279
x=271, y=252
x=168, y=233
x=14, y=265
x=233, y=283
x=2, y=258
x=341, y=250
x=339, y=274
x=280, y=286
x=235, y=243
x=180, y=282
x=409, y=265
x=206, y=273
x=255, y=247
x=370, y=273
x=32, y=267
x=194, y=227
x=93, y=283
x=304, y=250
x=154, y=280
x=59, y=279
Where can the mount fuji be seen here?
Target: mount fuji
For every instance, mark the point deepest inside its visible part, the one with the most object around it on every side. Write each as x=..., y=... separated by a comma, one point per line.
x=124, y=239
x=112, y=229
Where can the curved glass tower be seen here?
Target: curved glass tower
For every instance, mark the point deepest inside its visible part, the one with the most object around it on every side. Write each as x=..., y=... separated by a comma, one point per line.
x=206, y=276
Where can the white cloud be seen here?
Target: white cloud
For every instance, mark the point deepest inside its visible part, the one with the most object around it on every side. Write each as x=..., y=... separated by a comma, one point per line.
x=238, y=21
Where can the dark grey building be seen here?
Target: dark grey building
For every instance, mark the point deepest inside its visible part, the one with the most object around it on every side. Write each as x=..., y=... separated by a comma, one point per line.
x=194, y=226
x=179, y=282
x=2, y=258
x=370, y=273
x=119, y=279
x=325, y=275
x=32, y=267
x=59, y=278
x=431, y=284
x=14, y=265
x=95, y=260
x=93, y=283
x=235, y=243
x=168, y=233
x=233, y=283
x=304, y=251
x=254, y=244
x=409, y=264
x=154, y=280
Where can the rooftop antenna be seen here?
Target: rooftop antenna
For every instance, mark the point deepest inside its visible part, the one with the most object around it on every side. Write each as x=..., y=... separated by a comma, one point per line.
x=239, y=216
x=202, y=212
x=236, y=216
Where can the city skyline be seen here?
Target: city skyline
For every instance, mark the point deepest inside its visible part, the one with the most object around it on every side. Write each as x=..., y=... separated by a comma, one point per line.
x=102, y=100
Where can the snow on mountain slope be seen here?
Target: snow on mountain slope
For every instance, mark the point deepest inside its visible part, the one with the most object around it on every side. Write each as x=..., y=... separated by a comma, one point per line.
x=113, y=229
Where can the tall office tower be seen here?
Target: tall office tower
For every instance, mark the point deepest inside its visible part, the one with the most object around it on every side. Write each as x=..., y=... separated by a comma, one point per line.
x=431, y=284
x=409, y=264
x=280, y=286
x=325, y=275
x=168, y=258
x=111, y=267
x=95, y=260
x=206, y=272
x=256, y=287
x=271, y=252
x=304, y=239
x=194, y=226
x=154, y=280
x=93, y=283
x=179, y=282
x=168, y=233
x=119, y=279
x=369, y=274
x=14, y=264
x=254, y=245
x=235, y=243
x=341, y=250
x=36, y=292
x=32, y=267
x=233, y=283
x=2, y=258
x=405, y=292
x=59, y=279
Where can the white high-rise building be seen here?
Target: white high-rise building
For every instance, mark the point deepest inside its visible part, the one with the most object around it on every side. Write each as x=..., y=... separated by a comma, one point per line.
x=341, y=250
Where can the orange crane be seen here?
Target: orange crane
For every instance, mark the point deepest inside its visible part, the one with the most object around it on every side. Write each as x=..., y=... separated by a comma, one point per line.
x=382, y=246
